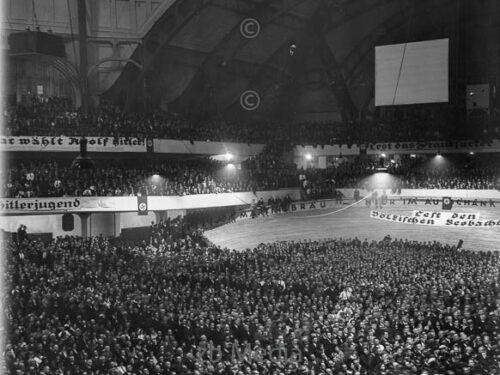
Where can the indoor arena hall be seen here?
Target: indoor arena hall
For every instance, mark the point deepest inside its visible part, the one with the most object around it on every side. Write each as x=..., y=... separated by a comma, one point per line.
x=358, y=220
x=250, y=187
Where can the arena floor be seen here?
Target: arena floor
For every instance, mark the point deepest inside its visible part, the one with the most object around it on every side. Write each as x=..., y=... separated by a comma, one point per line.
x=352, y=222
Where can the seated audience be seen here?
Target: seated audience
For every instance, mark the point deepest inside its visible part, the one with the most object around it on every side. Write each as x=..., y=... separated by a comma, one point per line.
x=407, y=173
x=266, y=171
x=25, y=179
x=91, y=306
x=57, y=116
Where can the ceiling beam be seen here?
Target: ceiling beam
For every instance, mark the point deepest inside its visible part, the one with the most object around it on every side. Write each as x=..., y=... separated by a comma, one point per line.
x=222, y=56
x=163, y=31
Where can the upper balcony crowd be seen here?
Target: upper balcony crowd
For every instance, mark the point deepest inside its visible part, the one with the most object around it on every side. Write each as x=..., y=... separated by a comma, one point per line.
x=44, y=177
x=269, y=170
x=56, y=116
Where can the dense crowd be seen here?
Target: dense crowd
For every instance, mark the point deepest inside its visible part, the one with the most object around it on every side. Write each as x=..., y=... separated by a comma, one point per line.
x=271, y=168
x=451, y=178
x=174, y=233
x=42, y=178
x=267, y=171
x=88, y=306
x=472, y=172
x=57, y=116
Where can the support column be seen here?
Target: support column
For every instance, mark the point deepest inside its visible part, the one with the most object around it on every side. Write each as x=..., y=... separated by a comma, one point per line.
x=118, y=229
x=322, y=162
x=83, y=66
x=84, y=218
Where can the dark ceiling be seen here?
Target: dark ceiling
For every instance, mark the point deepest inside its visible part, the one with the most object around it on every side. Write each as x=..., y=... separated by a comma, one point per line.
x=197, y=62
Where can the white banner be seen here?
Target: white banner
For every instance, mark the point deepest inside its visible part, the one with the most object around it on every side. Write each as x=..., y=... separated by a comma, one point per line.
x=445, y=215
x=312, y=205
x=35, y=206
x=399, y=148
x=459, y=197
x=67, y=204
x=123, y=144
x=443, y=219
x=72, y=144
x=445, y=147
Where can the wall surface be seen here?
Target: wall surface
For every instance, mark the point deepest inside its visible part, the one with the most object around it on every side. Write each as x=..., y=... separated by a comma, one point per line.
x=432, y=193
x=40, y=224
x=107, y=224
x=111, y=223
x=117, y=213
x=114, y=27
x=133, y=220
x=44, y=206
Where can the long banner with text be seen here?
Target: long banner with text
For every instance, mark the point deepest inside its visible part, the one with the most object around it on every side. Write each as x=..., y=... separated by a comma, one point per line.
x=124, y=144
x=72, y=144
x=448, y=219
x=399, y=148
x=445, y=147
x=58, y=205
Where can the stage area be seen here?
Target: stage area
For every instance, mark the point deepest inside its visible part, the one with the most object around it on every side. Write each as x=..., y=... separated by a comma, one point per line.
x=354, y=221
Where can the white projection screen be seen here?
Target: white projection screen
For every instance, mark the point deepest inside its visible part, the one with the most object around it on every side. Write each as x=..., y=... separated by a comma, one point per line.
x=411, y=73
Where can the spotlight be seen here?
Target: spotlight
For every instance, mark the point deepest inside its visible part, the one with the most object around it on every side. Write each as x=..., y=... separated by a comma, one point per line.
x=308, y=157
x=229, y=156
x=383, y=155
x=155, y=179
x=230, y=166
x=439, y=160
x=471, y=153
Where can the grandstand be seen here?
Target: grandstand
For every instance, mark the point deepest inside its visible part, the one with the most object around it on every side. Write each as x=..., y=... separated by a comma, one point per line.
x=261, y=187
